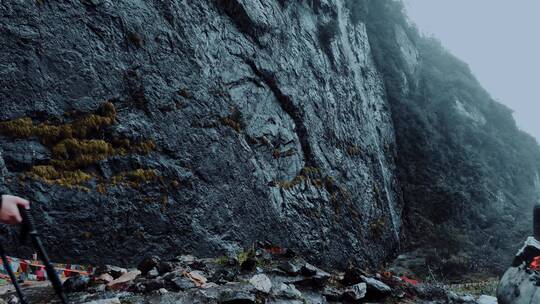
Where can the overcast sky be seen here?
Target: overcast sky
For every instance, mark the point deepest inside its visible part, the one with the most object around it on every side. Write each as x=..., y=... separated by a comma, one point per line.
x=499, y=39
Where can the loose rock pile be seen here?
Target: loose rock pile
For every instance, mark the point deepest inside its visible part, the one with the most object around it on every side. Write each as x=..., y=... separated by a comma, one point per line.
x=258, y=275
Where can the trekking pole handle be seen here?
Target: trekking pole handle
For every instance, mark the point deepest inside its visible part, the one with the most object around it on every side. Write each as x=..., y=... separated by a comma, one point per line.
x=28, y=220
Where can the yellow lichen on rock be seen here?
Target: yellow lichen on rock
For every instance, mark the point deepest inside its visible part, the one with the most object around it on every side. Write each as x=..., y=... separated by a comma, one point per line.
x=49, y=133
x=76, y=153
x=136, y=178
x=50, y=175
x=20, y=128
x=144, y=147
x=78, y=145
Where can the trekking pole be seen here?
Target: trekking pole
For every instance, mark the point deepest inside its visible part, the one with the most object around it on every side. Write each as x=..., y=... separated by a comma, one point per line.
x=29, y=228
x=7, y=267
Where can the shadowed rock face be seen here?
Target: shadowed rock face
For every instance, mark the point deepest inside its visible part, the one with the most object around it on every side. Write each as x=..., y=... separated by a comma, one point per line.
x=159, y=127
x=267, y=120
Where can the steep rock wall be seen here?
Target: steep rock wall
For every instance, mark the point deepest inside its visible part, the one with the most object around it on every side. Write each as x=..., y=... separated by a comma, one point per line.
x=469, y=175
x=208, y=125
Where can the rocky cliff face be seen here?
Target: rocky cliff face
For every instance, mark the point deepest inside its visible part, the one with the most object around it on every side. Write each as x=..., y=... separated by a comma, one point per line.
x=140, y=127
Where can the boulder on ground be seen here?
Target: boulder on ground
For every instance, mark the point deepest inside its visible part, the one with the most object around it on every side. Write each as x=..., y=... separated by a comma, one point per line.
x=376, y=288
x=289, y=267
x=261, y=282
x=103, y=278
x=235, y=297
x=287, y=291
x=521, y=283
x=124, y=280
x=76, y=283
x=148, y=264
x=356, y=292
x=483, y=299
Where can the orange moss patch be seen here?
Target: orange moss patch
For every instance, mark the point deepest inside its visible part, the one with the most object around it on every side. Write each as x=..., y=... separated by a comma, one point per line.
x=76, y=146
x=310, y=174
x=277, y=153
x=233, y=120
x=227, y=121
x=377, y=227
x=297, y=180
x=136, y=178
x=72, y=153
x=50, y=175
x=49, y=133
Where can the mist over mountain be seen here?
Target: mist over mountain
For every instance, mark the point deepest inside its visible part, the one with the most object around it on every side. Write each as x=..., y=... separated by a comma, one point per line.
x=476, y=39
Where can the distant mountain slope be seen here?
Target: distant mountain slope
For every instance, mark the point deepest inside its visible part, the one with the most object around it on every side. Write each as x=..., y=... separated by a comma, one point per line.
x=469, y=176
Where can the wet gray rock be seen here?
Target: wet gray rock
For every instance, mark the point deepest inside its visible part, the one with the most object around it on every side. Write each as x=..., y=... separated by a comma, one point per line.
x=154, y=284
x=289, y=267
x=215, y=85
x=182, y=283
x=356, y=292
x=261, y=282
x=165, y=267
x=287, y=291
x=462, y=299
x=23, y=155
x=114, y=271
x=376, y=288
x=76, y=283
x=282, y=301
x=518, y=286
x=332, y=294
x=352, y=276
x=311, y=277
x=237, y=297
x=149, y=264
x=263, y=285
x=316, y=281
x=152, y=273
x=483, y=299
x=223, y=275
x=309, y=270
x=520, y=283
